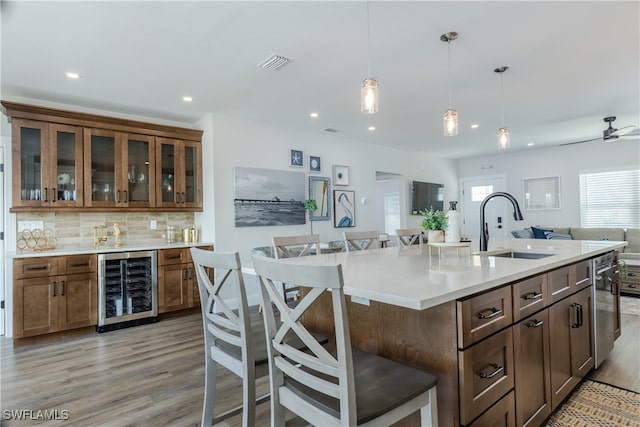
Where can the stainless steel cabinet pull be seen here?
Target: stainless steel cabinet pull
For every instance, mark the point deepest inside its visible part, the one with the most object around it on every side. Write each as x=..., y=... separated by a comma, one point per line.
x=126, y=196
x=190, y=273
x=497, y=369
x=62, y=288
x=53, y=194
x=54, y=288
x=46, y=196
x=184, y=198
x=118, y=196
x=42, y=267
x=533, y=295
x=492, y=313
x=184, y=274
x=579, y=315
x=173, y=256
x=632, y=285
x=534, y=323
x=631, y=274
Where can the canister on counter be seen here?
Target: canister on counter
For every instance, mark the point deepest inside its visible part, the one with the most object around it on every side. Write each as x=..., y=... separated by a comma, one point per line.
x=171, y=234
x=194, y=234
x=186, y=235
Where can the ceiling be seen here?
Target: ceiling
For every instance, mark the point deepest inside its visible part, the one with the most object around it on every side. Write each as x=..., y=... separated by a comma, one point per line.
x=571, y=64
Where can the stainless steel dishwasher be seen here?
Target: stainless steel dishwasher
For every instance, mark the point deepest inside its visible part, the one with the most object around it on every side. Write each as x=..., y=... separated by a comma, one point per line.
x=605, y=297
x=128, y=289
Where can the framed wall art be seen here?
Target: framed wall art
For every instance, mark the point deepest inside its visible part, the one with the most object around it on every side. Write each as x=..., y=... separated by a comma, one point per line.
x=320, y=191
x=340, y=175
x=296, y=158
x=315, y=164
x=265, y=197
x=344, y=214
x=541, y=193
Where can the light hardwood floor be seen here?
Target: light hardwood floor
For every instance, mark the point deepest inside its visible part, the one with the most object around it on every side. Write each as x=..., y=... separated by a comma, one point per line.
x=153, y=375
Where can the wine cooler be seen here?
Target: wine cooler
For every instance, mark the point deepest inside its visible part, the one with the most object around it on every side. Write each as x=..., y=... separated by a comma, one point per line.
x=128, y=289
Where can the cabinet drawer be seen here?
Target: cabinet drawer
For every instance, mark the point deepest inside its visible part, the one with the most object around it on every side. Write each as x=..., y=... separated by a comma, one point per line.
x=173, y=256
x=482, y=315
x=529, y=296
x=499, y=415
x=630, y=287
x=632, y=276
x=77, y=264
x=35, y=267
x=559, y=283
x=485, y=374
x=583, y=274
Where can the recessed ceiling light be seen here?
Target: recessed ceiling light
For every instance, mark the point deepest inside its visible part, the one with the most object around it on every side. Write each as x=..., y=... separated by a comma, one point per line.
x=314, y=115
x=187, y=98
x=475, y=126
x=531, y=144
x=73, y=75
x=372, y=128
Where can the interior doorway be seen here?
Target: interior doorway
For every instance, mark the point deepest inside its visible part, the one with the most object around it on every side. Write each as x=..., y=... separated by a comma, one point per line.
x=474, y=191
x=388, y=202
x=2, y=231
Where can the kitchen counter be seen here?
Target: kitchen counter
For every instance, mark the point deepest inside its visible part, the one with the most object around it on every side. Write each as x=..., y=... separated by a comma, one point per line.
x=408, y=277
x=103, y=249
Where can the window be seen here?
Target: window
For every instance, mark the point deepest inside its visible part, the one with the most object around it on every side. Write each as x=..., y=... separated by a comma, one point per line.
x=391, y=212
x=478, y=193
x=610, y=199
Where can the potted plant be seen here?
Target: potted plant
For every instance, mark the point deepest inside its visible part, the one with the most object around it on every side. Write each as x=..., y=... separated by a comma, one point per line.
x=310, y=205
x=434, y=222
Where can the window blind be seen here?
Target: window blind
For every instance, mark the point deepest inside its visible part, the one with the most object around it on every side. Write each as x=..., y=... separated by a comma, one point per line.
x=610, y=199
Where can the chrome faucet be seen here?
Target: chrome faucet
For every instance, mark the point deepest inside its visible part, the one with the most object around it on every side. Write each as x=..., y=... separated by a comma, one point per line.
x=484, y=233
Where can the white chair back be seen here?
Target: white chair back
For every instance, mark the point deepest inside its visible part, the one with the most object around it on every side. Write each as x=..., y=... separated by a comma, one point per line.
x=409, y=236
x=361, y=240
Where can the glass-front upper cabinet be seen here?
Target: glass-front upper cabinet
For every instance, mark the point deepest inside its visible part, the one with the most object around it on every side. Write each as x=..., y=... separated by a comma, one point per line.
x=47, y=165
x=119, y=169
x=138, y=154
x=179, y=173
x=100, y=168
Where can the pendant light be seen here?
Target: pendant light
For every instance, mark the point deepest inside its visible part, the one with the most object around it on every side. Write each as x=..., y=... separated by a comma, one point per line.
x=503, y=132
x=450, y=118
x=369, y=90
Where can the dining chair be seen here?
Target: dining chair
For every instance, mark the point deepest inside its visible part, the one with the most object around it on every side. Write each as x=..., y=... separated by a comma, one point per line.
x=409, y=236
x=233, y=337
x=361, y=240
x=346, y=387
x=291, y=247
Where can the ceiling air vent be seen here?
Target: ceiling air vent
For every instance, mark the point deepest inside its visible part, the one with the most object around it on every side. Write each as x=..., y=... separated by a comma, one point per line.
x=275, y=62
x=333, y=130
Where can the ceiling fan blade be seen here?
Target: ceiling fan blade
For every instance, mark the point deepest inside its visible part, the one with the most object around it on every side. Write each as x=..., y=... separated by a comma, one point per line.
x=627, y=130
x=580, y=142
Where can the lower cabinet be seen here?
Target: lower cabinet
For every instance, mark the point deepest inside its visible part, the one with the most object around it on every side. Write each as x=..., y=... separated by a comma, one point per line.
x=570, y=343
x=46, y=300
x=177, y=283
x=501, y=414
x=532, y=369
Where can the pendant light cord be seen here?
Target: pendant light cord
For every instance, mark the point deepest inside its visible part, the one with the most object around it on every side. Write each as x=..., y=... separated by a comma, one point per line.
x=449, y=54
x=368, y=41
x=502, y=98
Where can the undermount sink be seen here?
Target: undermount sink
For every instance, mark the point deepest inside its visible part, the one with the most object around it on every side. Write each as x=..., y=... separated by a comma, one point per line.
x=525, y=255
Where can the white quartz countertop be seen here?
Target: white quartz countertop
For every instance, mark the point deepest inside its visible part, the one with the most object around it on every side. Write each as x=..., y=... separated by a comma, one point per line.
x=103, y=249
x=408, y=277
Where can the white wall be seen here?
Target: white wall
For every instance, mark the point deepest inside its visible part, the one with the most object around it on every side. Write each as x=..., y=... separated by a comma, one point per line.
x=566, y=162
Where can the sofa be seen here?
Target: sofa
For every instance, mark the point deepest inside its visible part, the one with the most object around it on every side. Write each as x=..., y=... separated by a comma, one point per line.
x=630, y=235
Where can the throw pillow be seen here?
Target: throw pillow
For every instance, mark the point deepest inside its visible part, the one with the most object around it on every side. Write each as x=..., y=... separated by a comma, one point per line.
x=557, y=236
x=522, y=234
x=538, y=233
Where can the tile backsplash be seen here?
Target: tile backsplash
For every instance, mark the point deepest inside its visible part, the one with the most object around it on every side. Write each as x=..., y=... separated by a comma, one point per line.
x=76, y=229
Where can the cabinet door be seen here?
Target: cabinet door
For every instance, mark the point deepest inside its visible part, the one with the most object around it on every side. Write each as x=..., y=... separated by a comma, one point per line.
x=499, y=415
x=65, y=183
x=582, y=345
x=179, y=173
x=194, y=292
x=30, y=162
x=173, y=291
x=532, y=371
x=35, y=306
x=101, y=163
x=139, y=183
x=78, y=304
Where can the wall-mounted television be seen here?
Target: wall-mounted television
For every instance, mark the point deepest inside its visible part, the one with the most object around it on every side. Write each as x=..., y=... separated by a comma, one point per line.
x=426, y=195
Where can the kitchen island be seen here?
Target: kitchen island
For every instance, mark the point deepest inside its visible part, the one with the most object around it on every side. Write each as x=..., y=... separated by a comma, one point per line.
x=495, y=330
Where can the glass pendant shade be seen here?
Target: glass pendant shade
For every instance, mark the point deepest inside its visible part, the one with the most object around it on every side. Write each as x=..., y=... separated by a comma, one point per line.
x=369, y=96
x=503, y=138
x=450, y=122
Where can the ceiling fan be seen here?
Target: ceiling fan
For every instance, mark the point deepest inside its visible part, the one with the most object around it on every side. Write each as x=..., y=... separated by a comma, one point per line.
x=611, y=134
